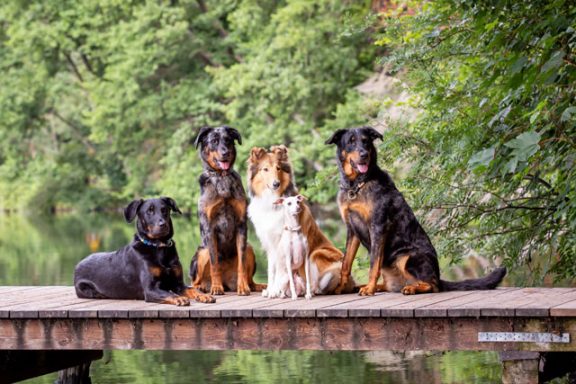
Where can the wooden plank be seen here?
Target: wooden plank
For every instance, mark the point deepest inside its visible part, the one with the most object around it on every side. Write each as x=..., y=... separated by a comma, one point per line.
x=306, y=308
x=567, y=309
x=448, y=307
x=408, y=308
x=386, y=304
x=245, y=308
x=22, y=296
x=543, y=300
x=500, y=304
x=224, y=302
x=30, y=306
x=507, y=304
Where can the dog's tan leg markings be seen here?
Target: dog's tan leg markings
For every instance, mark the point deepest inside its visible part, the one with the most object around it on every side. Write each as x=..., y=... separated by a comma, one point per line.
x=373, y=277
x=351, y=248
x=202, y=280
x=215, y=271
x=243, y=287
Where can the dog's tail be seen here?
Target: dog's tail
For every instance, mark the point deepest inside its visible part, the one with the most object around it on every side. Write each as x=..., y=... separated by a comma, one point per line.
x=489, y=281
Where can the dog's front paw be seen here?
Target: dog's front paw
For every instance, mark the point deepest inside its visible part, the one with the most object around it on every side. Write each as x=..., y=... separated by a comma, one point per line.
x=409, y=290
x=243, y=289
x=217, y=290
x=206, y=299
x=308, y=296
x=367, y=290
x=180, y=301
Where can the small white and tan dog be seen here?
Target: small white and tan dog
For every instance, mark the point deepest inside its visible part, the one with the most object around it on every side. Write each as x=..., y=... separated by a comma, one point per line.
x=293, y=249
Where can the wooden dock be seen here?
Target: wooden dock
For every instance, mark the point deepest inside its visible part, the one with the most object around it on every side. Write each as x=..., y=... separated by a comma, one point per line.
x=44, y=329
x=506, y=319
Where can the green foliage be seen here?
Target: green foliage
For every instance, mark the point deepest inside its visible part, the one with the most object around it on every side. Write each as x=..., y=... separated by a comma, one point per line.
x=492, y=154
x=101, y=99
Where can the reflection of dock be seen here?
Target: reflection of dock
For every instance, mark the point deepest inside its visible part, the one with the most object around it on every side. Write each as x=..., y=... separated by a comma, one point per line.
x=507, y=319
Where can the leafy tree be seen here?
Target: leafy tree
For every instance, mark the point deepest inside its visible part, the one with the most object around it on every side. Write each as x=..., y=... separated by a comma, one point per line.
x=100, y=99
x=492, y=153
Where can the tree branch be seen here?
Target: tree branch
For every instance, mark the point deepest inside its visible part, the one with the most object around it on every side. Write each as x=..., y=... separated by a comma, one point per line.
x=74, y=67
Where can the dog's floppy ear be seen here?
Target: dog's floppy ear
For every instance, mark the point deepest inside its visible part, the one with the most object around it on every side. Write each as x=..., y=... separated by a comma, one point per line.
x=336, y=136
x=301, y=197
x=279, y=201
x=171, y=203
x=372, y=133
x=256, y=154
x=233, y=132
x=203, y=132
x=132, y=209
x=280, y=151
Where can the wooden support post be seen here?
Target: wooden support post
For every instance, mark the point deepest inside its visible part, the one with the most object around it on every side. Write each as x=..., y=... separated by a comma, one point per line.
x=79, y=374
x=20, y=365
x=520, y=367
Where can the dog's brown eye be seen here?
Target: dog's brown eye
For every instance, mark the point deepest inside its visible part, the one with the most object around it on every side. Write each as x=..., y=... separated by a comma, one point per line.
x=277, y=168
x=289, y=203
x=265, y=169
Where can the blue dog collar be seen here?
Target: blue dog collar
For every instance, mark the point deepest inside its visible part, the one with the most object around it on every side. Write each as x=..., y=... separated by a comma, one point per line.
x=156, y=244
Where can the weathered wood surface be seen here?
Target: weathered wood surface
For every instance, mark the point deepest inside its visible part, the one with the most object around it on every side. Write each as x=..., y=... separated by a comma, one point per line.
x=33, y=318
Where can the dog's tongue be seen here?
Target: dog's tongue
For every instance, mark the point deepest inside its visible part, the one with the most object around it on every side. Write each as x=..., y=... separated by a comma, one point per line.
x=363, y=168
x=225, y=165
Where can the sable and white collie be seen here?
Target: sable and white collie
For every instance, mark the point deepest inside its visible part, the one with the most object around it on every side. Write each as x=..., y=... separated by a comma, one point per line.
x=270, y=177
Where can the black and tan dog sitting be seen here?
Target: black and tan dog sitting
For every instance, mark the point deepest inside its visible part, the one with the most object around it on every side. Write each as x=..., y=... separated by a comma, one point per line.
x=148, y=268
x=224, y=260
x=377, y=216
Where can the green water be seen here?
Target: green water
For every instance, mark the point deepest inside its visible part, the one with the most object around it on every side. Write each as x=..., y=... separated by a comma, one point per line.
x=44, y=250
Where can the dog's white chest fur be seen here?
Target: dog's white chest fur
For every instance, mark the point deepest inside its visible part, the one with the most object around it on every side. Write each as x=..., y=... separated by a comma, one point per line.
x=268, y=220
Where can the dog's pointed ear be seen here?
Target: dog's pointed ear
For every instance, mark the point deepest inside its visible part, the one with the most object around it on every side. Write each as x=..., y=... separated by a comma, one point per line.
x=372, y=133
x=256, y=154
x=336, y=136
x=132, y=209
x=203, y=132
x=301, y=197
x=171, y=203
x=234, y=134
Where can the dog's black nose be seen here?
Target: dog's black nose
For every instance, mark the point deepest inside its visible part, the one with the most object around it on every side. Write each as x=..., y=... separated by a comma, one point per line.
x=276, y=184
x=364, y=154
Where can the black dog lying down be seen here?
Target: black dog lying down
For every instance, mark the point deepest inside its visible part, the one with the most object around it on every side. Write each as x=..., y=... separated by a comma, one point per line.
x=148, y=268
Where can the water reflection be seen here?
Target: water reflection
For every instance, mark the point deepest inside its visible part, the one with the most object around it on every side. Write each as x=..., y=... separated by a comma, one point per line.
x=44, y=251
